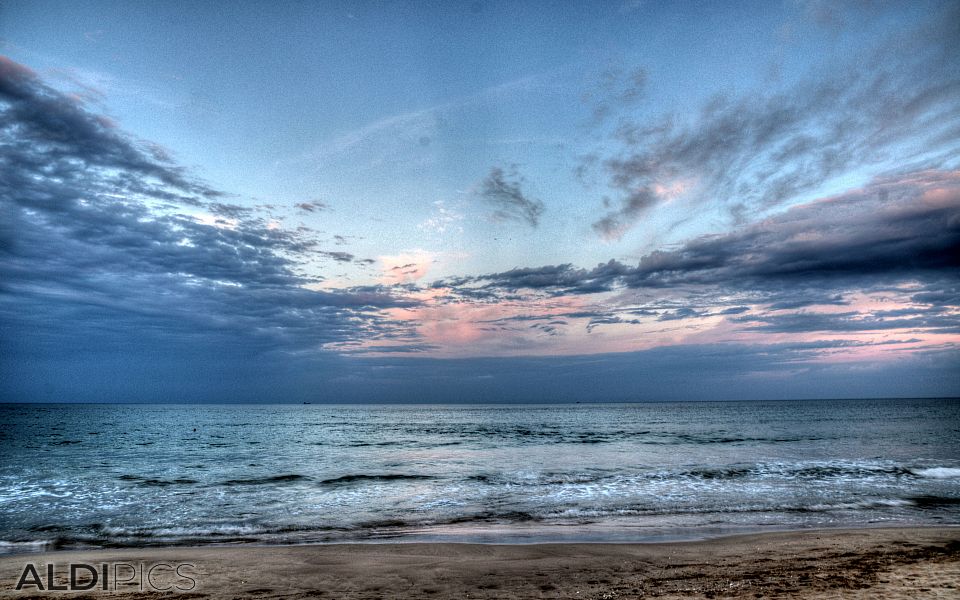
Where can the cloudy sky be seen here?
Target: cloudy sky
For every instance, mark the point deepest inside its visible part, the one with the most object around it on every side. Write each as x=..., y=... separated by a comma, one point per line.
x=479, y=201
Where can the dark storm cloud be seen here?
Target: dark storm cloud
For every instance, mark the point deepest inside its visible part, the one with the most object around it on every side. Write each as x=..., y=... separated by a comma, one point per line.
x=111, y=250
x=894, y=229
x=904, y=227
x=47, y=132
x=504, y=192
x=760, y=150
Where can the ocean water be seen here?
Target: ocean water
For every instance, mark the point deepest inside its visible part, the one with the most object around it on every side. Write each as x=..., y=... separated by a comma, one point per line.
x=134, y=475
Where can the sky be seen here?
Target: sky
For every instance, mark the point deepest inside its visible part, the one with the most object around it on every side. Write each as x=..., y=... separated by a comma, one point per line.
x=478, y=201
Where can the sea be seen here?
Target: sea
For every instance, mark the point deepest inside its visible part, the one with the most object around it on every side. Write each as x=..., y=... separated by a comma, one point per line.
x=117, y=475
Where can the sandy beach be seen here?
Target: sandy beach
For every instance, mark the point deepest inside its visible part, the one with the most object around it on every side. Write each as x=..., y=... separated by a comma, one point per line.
x=865, y=563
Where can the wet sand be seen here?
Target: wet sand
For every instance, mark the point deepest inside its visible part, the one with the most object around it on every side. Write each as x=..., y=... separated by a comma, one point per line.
x=864, y=563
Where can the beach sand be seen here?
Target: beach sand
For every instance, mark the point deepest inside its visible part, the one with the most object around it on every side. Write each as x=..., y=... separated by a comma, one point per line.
x=864, y=563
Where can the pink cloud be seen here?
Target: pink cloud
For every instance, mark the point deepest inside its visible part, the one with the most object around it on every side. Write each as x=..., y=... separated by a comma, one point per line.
x=407, y=267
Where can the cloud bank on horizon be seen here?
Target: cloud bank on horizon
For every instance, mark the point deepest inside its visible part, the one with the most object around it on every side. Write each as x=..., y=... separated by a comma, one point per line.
x=792, y=239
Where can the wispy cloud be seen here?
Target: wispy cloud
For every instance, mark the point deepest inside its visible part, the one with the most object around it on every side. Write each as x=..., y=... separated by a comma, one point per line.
x=414, y=129
x=406, y=267
x=615, y=90
x=312, y=206
x=408, y=127
x=442, y=219
x=750, y=153
x=503, y=190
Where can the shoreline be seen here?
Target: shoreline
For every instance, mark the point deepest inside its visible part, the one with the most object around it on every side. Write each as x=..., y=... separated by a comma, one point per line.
x=513, y=534
x=898, y=562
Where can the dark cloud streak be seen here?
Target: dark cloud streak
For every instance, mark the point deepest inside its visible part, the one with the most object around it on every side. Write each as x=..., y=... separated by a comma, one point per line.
x=503, y=190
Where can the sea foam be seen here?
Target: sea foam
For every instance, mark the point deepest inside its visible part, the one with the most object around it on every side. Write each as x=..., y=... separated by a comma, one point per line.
x=938, y=472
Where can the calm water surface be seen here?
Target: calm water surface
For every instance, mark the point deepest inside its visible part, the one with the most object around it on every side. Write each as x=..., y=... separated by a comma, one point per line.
x=118, y=475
